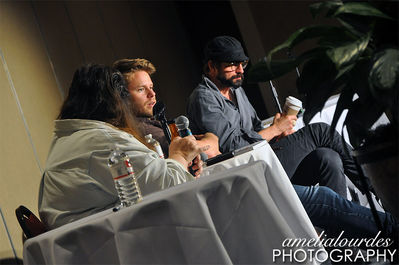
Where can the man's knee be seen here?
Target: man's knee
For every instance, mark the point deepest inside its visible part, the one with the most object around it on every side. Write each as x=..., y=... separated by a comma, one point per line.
x=320, y=126
x=328, y=158
x=320, y=164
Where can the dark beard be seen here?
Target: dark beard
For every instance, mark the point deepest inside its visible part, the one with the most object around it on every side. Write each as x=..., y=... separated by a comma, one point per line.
x=229, y=82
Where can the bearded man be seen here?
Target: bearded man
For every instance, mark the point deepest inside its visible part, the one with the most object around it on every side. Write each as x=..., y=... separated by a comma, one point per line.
x=219, y=105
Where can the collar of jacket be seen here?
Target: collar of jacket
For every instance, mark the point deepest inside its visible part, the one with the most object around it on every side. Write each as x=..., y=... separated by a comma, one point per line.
x=208, y=83
x=80, y=124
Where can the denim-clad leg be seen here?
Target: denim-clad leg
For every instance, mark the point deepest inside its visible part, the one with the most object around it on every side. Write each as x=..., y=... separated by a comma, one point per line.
x=323, y=166
x=329, y=211
x=292, y=149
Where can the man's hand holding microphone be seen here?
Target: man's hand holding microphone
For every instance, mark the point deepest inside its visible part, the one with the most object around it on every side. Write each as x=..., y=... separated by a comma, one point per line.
x=185, y=149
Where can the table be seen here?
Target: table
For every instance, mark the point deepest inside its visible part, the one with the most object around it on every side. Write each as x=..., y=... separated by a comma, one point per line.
x=280, y=188
x=235, y=216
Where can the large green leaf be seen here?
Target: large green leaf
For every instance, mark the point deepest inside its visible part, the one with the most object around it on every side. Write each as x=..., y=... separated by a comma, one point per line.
x=359, y=18
x=264, y=71
x=356, y=26
x=345, y=70
x=337, y=38
x=361, y=9
x=384, y=73
x=384, y=76
x=329, y=6
x=305, y=33
x=348, y=52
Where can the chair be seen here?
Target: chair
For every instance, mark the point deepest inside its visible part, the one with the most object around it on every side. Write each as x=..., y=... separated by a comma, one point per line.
x=30, y=224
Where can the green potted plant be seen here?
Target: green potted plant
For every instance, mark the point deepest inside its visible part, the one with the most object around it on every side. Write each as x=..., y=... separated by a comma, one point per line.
x=356, y=56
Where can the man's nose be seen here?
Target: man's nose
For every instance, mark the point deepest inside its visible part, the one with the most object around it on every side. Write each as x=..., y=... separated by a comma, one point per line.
x=240, y=69
x=151, y=93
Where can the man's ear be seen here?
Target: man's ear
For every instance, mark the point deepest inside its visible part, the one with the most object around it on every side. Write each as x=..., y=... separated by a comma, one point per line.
x=212, y=67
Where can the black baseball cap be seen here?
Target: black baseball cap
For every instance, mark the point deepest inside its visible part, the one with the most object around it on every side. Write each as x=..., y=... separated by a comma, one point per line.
x=224, y=49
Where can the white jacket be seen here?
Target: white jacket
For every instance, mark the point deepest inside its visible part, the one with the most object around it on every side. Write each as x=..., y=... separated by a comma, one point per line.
x=77, y=181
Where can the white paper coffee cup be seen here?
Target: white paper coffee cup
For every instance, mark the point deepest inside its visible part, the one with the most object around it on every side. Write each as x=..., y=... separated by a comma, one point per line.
x=292, y=106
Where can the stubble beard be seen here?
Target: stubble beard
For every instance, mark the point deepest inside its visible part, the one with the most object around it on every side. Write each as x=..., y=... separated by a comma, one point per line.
x=142, y=114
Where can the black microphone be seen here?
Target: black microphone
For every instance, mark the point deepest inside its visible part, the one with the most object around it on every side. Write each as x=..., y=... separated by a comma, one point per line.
x=204, y=157
x=182, y=124
x=159, y=114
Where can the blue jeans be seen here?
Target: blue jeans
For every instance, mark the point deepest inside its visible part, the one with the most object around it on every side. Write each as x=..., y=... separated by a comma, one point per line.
x=331, y=212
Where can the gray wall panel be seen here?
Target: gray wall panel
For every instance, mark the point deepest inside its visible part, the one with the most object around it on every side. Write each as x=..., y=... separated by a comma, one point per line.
x=89, y=26
x=60, y=39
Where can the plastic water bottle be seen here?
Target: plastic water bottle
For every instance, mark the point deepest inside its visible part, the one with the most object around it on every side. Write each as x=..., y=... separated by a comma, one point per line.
x=156, y=145
x=125, y=181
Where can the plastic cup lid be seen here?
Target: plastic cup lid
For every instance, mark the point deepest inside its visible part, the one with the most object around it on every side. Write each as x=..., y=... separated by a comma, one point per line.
x=294, y=101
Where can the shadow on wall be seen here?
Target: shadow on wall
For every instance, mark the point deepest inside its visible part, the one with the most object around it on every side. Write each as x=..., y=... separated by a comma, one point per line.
x=11, y=261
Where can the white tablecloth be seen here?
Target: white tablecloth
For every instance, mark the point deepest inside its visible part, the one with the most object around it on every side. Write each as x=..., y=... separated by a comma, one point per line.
x=237, y=216
x=280, y=189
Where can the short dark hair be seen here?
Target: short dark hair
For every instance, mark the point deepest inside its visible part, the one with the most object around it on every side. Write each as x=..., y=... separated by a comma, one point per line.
x=206, y=69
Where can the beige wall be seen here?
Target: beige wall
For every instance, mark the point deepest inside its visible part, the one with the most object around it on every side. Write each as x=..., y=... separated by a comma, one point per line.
x=42, y=43
x=29, y=103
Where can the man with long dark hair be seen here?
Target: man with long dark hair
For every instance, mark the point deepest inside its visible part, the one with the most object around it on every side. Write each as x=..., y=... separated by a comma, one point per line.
x=95, y=118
